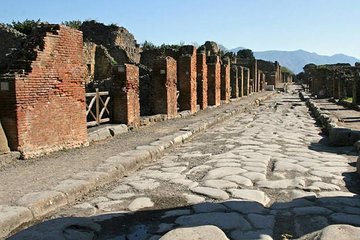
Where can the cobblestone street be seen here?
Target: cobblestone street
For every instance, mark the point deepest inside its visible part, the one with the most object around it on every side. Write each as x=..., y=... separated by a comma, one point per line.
x=264, y=174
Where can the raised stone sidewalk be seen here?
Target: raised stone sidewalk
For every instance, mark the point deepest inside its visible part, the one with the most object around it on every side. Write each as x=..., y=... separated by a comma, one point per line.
x=35, y=205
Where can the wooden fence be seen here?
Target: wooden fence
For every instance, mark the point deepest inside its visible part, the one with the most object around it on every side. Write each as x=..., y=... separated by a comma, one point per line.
x=97, y=108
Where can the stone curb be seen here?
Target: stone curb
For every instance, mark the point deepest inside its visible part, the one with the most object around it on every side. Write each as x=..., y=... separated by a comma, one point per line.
x=338, y=136
x=36, y=205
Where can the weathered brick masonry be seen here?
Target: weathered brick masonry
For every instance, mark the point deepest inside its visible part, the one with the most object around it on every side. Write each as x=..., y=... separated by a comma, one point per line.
x=125, y=93
x=202, y=80
x=163, y=86
x=214, y=82
x=225, y=80
x=241, y=82
x=45, y=106
x=187, y=78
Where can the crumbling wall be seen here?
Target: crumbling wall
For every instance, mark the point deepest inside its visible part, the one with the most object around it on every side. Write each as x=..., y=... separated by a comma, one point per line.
x=120, y=43
x=49, y=95
x=225, y=80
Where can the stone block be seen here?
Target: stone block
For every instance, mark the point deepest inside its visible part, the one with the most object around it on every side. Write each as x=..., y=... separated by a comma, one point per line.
x=12, y=217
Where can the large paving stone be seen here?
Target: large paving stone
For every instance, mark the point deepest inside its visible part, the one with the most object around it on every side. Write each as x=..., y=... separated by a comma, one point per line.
x=337, y=231
x=12, y=217
x=239, y=180
x=263, y=234
x=112, y=206
x=196, y=233
x=251, y=195
x=140, y=203
x=344, y=218
x=220, y=184
x=282, y=184
x=222, y=220
x=193, y=199
x=312, y=210
x=222, y=172
x=211, y=192
x=262, y=221
x=244, y=207
x=306, y=224
x=209, y=207
x=254, y=176
x=284, y=167
x=325, y=186
x=146, y=184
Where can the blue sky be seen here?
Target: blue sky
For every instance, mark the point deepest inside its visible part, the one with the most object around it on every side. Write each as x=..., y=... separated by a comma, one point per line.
x=322, y=26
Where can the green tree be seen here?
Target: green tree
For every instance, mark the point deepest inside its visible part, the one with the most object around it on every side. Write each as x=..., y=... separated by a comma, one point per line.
x=73, y=24
x=245, y=53
x=25, y=26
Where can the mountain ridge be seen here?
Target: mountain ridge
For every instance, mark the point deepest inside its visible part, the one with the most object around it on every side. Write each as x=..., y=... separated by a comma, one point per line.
x=297, y=59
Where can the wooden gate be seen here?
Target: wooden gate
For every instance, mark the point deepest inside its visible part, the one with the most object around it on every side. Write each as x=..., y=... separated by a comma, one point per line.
x=97, y=108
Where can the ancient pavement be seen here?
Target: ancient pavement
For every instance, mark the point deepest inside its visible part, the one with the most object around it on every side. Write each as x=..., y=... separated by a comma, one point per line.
x=260, y=175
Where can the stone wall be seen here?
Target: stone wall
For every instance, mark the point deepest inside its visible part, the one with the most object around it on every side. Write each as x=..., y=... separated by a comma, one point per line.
x=125, y=93
x=50, y=98
x=163, y=86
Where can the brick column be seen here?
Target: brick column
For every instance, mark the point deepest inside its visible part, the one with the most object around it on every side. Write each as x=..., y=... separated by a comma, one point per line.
x=163, y=86
x=187, y=78
x=234, y=81
x=202, y=80
x=125, y=94
x=214, y=81
x=225, y=81
x=246, y=81
x=241, y=81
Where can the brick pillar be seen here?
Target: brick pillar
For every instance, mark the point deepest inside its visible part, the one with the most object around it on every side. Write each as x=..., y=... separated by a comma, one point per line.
x=163, y=86
x=187, y=78
x=214, y=82
x=246, y=81
x=125, y=94
x=234, y=81
x=241, y=81
x=225, y=80
x=202, y=80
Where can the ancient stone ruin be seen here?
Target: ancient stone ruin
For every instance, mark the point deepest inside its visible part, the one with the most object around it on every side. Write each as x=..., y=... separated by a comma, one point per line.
x=57, y=78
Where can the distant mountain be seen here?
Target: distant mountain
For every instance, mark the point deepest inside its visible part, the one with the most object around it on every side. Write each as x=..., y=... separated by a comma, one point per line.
x=296, y=60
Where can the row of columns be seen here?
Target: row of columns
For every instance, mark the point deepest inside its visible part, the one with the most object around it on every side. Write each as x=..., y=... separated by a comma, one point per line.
x=194, y=79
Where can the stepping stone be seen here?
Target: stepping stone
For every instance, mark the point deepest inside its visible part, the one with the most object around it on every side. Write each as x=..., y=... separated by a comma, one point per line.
x=263, y=234
x=222, y=220
x=251, y=195
x=211, y=192
x=195, y=233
